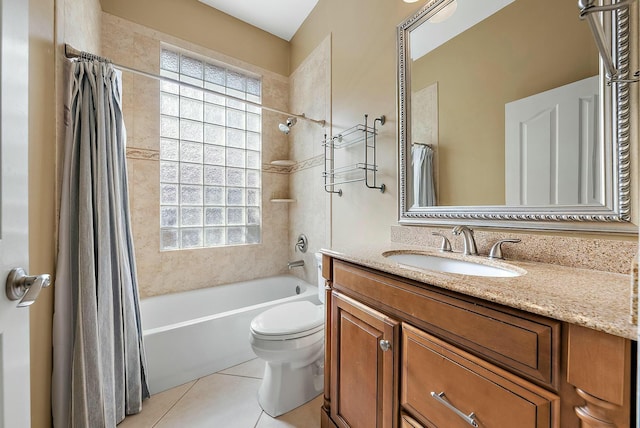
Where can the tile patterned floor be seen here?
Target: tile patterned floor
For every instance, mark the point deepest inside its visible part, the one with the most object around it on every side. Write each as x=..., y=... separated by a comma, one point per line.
x=224, y=399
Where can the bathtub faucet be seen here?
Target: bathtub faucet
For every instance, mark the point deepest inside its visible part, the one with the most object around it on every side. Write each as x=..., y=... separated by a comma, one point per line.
x=297, y=263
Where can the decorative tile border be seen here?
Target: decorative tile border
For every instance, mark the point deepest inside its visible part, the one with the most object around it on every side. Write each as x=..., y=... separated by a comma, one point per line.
x=309, y=163
x=276, y=169
x=148, y=154
x=143, y=154
x=299, y=166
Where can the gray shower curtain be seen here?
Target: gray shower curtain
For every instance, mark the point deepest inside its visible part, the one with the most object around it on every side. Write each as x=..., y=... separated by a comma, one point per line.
x=424, y=191
x=99, y=371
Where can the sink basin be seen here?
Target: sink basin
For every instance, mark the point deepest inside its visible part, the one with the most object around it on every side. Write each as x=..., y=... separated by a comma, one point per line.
x=443, y=264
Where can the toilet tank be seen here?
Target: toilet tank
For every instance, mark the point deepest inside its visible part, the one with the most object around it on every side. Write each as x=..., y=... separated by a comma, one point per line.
x=320, y=278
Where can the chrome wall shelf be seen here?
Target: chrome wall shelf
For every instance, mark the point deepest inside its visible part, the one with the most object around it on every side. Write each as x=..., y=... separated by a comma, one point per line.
x=361, y=171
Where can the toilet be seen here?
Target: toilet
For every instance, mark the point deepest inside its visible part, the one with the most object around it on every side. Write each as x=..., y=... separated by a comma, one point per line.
x=290, y=339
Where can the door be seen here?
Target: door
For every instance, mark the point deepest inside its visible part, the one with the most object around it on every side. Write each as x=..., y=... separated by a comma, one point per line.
x=14, y=322
x=364, y=361
x=552, y=151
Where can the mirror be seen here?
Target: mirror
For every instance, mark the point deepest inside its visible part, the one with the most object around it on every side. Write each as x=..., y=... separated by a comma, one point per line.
x=505, y=119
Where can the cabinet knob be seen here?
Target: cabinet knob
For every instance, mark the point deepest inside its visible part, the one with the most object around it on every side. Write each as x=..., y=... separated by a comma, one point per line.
x=385, y=345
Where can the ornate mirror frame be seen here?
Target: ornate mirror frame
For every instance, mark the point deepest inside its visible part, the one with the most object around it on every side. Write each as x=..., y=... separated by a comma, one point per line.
x=614, y=216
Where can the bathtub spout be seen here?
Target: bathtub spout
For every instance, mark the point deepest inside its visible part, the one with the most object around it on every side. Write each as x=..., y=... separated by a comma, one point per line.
x=297, y=263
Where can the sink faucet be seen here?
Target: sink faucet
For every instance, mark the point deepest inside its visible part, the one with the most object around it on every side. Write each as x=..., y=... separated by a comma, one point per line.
x=469, y=242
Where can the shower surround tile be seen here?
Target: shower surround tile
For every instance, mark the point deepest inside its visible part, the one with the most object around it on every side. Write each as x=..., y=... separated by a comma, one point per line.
x=161, y=272
x=275, y=143
x=310, y=94
x=146, y=113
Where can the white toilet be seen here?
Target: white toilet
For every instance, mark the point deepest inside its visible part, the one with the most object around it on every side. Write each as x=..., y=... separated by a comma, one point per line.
x=290, y=338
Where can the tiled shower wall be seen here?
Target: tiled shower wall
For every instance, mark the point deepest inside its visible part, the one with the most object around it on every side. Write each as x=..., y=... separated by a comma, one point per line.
x=310, y=87
x=161, y=272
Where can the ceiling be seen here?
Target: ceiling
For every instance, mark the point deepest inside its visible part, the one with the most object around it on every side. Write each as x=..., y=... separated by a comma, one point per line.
x=279, y=17
x=429, y=36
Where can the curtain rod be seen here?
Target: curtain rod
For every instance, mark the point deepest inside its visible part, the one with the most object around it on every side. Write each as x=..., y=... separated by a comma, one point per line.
x=72, y=53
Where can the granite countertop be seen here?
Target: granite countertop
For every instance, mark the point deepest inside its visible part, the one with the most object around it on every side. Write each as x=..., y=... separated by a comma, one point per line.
x=594, y=299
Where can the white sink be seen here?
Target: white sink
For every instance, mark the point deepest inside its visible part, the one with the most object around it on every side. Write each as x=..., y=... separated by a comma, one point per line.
x=442, y=264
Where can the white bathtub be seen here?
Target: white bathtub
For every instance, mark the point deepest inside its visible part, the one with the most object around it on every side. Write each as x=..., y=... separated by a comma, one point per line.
x=195, y=333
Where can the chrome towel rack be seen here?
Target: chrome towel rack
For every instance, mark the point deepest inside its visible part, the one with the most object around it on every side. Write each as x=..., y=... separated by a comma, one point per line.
x=361, y=171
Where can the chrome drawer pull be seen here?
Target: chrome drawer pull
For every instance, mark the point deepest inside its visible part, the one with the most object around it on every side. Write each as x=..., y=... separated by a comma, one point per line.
x=385, y=345
x=470, y=419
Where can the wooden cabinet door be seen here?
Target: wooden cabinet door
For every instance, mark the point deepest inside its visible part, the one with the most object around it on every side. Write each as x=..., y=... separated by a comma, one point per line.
x=364, y=368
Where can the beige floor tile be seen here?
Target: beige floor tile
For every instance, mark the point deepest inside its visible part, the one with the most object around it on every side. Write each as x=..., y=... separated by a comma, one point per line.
x=155, y=407
x=305, y=416
x=252, y=368
x=216, y=401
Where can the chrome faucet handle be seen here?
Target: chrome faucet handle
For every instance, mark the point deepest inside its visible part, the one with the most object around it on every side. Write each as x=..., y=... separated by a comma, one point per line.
x=301, y=244
x=445, y=246
x=496, y=249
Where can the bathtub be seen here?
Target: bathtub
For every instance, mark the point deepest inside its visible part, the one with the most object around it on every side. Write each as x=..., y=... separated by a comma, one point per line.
x=195, y=333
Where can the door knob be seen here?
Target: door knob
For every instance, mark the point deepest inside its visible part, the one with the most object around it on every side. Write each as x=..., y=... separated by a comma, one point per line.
x=25, y=287
x=385, y=345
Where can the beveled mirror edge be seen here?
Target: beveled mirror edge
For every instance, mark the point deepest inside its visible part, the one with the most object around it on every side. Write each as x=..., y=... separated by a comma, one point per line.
x=615, y=217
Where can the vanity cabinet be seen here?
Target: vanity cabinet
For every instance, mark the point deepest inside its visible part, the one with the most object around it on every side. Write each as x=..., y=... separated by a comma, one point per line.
x=364, y=375
x=407, y=421
x=444, y=386
x=402, y=353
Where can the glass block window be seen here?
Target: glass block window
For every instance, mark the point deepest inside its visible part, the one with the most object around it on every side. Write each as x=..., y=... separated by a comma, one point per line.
x=210, y=155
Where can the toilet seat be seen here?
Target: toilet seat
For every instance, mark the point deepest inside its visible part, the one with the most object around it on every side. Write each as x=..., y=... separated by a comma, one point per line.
x=288, y=321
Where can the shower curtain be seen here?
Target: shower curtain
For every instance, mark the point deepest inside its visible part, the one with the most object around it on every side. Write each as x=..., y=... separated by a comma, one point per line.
x=99, y=373
x=424, y=192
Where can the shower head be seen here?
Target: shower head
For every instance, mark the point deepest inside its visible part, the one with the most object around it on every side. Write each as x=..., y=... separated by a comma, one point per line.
x=286, y=127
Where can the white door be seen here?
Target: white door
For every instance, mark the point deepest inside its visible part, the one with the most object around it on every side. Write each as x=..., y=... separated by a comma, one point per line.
x=14, y=322
x=552, y=150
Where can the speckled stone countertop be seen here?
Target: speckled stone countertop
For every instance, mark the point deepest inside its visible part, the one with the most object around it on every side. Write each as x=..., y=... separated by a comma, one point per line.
x=590, y=298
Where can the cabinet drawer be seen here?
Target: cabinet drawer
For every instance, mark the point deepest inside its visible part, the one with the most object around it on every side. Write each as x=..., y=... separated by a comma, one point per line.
x=497, y=398
x=522, y=342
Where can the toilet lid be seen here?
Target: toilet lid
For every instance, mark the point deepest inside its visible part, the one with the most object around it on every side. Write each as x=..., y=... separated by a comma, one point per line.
x=289, y=319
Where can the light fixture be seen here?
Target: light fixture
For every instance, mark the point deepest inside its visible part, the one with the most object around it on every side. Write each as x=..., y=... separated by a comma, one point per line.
x=410, y=1
x=444, y=13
